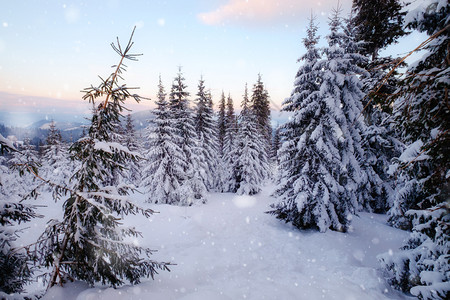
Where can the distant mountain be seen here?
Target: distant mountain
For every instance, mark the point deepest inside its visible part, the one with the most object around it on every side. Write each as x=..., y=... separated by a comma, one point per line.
x=30, y=120
x=63, y=126
x=140, y=119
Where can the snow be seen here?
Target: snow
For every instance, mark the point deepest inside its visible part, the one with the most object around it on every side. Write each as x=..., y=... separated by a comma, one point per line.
x=230, y=249
x=412, y=152
x=6, y=142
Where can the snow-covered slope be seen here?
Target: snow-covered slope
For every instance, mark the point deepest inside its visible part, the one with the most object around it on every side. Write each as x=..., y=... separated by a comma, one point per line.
x=230, y=249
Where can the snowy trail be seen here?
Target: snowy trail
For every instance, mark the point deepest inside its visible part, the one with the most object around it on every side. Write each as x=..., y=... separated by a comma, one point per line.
x=230, y=249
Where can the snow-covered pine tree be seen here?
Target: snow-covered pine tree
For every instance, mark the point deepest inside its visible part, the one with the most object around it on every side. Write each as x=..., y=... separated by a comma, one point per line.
x=379, y=24
x=89, y=244
x=422, y=266
x=231, y=127
x=163, y=174
x=308, y=192
x=193, y=186
x=19, y=160
x=276, y=142
x=221, y=124
x=260, y=106
x=57, y=167
x=341, y=82
x=230, y=148
x=250, y=167
x=318, y=169
x=14, y=263
x=378, y=137
x=423, y=120
x=206, y=128
x=130, y=140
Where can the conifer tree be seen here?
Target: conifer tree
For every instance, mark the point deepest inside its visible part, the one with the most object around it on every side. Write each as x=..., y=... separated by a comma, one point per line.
x=194, y=188
x=163, y=175
x=379, y=24
x=230, y=150
x=14, y=262
x=231, y=127
x=22, y=184
x=276, y=143
x=89, y=243
x=260, y=106
x=378, y=139
x=221, y=124
x=133, y=172
x=57, y=167
x=319, y=173
x=422, y=265
x=344, y=85
x=206, y=128
x=250, y=167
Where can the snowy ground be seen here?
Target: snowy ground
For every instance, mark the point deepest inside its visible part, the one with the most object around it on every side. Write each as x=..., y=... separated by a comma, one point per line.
x=230, y=249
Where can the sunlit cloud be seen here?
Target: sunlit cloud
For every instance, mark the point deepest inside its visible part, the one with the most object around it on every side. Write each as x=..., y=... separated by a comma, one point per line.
x=263, y=12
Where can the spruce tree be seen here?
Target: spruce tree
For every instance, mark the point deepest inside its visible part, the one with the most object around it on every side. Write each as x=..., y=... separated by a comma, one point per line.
x=342, y=83
x=319, y=173
x=206, y=128
x=260, y=107
x=57, y=167
x=130, y=140
x=379, y=24
x=14, y=262
x=89, y=243
x=20, y=160
x=276, y=143
x=378, y=139
x=250, y=166
x=221, y=124
x=163, y=174
x=230, y=149
x=421, y=203
x=194, y=188
x=231, y=127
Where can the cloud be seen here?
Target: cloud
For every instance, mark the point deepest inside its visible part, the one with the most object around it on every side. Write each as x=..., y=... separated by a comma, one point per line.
x=259, y=12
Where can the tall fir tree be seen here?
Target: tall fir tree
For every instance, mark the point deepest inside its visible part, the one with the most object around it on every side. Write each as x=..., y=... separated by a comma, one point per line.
x=89, y=243
x=260, y=106
x=422, y=266
x=193, y=187
x=319, y=169
x=379, y=140
x=221, y=124
x=130, y=140
x=231, y=126
x=206, y=128
x=379, y=24
x=14, y=261
x=250, y=167
x=276, y=143
x=308, y=192
x=56, y=164
x=163, y=175
x=230, y=147
x=341, y=82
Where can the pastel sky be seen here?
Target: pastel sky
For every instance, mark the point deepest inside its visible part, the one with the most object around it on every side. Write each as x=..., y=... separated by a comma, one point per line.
x=54, y=49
